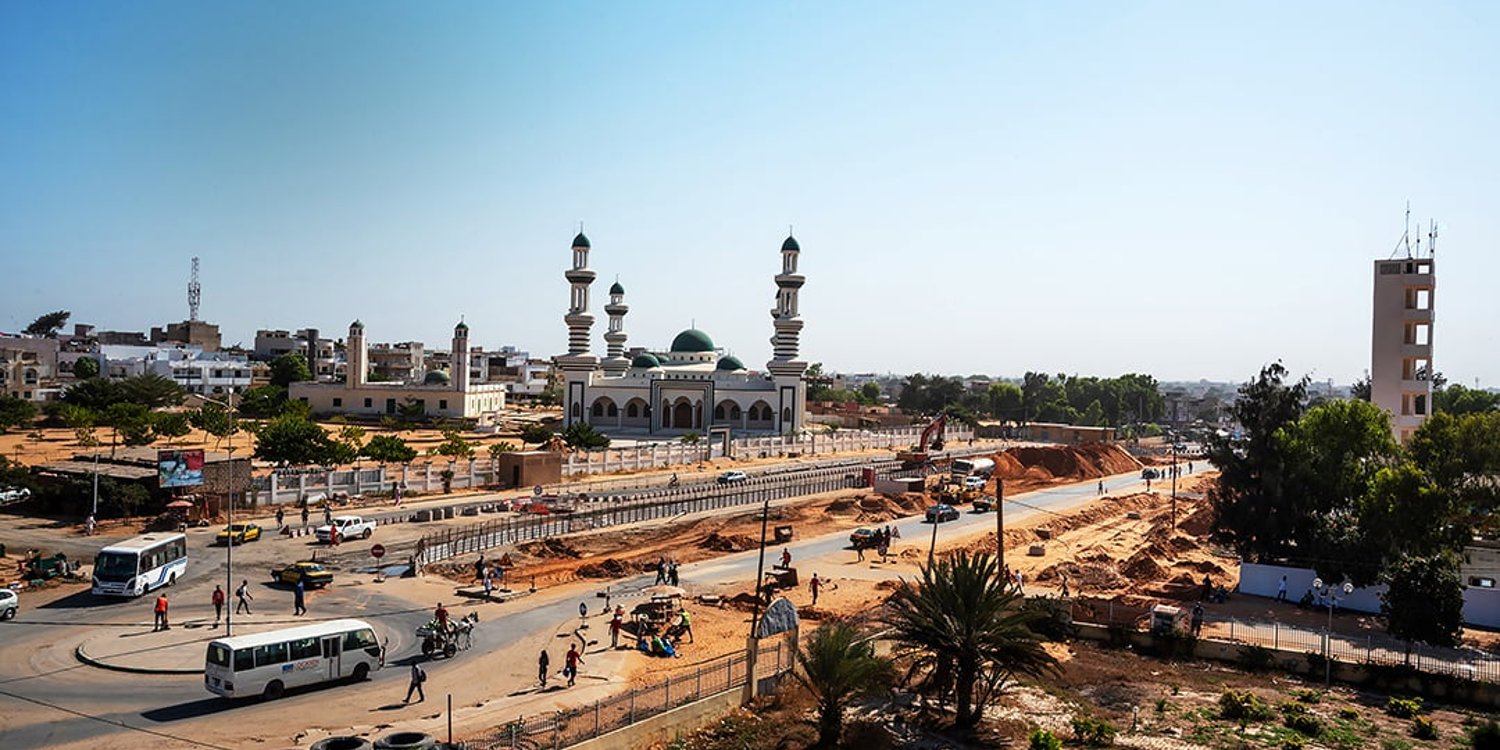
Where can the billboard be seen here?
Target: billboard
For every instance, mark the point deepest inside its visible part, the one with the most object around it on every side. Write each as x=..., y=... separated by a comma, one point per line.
x=179, y=468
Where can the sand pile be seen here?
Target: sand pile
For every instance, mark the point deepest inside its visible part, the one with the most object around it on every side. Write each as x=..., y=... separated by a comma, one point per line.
x=1007, y=466
x=1142, y=566
x=1072, y=462
x=608, y=568
x=549, y=549
x=728, y=542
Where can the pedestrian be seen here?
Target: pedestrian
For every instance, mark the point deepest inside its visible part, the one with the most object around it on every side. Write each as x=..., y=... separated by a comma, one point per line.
x=687, y=625
x=1281, y=590
x=333, y=535
x=571, y=662
x=1064, y=585
x=218, y=600
x=327, y=514
x=489, y=583
x=418, y=676
x=88, y=525
x=304, y=516
x=786, y=558
x=479, y=568
x=542, y=663
x=1190, y=467
x=1208, y=587
x=672, y=573
x=280, y=518
x=161, y=613
x=1197, y=618
x=885, y=549
x=614, y=631
x=299, y=592
x=661, y=571
x=1020, y=582
x=859, y=549
x=396, y=493
x=1101, y=486
x=242, y=594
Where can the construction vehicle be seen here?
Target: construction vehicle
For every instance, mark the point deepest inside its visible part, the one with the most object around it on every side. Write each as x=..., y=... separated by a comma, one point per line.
x=932, y=437
x=953, y=493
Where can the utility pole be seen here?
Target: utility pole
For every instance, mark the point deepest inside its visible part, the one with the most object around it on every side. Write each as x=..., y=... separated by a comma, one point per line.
x=760, y=565
x=1174, y=483
x=1000, y=523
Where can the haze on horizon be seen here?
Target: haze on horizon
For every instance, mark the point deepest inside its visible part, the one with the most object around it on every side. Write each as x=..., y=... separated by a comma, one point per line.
x=1096, y=188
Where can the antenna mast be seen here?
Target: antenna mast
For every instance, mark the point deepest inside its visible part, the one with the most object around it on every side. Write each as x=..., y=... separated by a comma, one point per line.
x=195, y=291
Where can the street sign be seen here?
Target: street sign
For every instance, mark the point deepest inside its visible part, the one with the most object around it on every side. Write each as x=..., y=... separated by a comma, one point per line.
x=537, y=490
x=377, y=551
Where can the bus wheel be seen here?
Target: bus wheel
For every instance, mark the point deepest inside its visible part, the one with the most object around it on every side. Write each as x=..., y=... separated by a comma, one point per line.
x=361, y=672
x=274, y=690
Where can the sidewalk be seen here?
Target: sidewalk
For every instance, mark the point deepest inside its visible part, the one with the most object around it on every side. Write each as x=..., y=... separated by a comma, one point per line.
x=179, y=650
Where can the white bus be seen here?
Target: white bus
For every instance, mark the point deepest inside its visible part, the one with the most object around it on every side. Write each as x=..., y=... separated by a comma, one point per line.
x=138, y=565
x=269, y=663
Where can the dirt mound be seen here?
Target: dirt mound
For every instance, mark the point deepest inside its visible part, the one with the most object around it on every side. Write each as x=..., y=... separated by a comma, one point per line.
x=1093, y=576
x=549, y=549
x=1200, y=523
x=1086, y=461
x=813, y=613
x=1038, y=474
x=728, y=542
x=608, y=568
x=1142, y=567
x=841, y=505
x=743, y=601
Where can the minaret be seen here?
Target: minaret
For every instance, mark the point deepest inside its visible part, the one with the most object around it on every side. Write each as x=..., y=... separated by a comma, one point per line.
x=615, y=362
x=357, y=356
x=786, y=370
x=460, y=357
x=578, y=365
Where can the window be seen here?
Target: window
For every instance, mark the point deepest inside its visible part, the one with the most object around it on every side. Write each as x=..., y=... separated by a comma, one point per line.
x=719, y=411
x=368, y=403
x=270, y=654
x=442, y=403
x=598, y=409
x=631, y=410
x=360, y=639
x=337, y=402
x=304, y=648
x=1483, y=583
x=218, y=655
x=244, y=660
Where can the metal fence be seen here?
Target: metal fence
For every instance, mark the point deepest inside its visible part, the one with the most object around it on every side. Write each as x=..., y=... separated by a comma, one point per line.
x=1370, y=648
x=560, y=729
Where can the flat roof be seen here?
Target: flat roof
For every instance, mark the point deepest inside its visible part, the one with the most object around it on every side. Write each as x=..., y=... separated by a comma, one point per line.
x=286, y=634
x=116, y=471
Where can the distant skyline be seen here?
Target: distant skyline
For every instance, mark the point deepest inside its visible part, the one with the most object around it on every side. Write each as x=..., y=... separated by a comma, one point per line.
x=1190, y=191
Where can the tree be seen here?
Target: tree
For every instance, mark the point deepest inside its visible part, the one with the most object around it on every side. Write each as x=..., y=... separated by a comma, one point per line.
x=131, y=424
x=1005, y=401
x=869, y=393
x=47, y=326
x=389, y=449
x=1253, y=510
x=171, y=424
x=96, y=394
x=293, y=440
x=838, y=664
x=1094, y=414
x=583, y=436
x=1424, y=601
x=263, y=402
x=1456, y=399
x=15, y=411
x=85, y=368
x=1460, y=454
x=214, y=420
x=1361, y=388
x=691, y=438
x=454, y=446
x=535, y=434
x=962, y=620
x=354, y=437
x=289, y=368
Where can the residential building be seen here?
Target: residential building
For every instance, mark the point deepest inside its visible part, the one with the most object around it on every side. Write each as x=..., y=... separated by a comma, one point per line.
x=28, y=367
x=195, y=332
x=1401, y=341
x=397, y=363
x=198, y=372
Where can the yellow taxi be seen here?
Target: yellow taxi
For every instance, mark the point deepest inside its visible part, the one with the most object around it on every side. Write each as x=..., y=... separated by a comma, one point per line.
x=238, y=533
x=312, y=574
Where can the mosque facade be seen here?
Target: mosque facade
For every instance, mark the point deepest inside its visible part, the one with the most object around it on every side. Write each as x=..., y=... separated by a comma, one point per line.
x=692, y=386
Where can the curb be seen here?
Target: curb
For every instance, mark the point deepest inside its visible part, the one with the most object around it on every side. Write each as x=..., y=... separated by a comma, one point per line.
x=101, y=664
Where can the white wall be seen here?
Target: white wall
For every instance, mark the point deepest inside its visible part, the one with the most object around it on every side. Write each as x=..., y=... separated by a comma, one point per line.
x=1481, y=606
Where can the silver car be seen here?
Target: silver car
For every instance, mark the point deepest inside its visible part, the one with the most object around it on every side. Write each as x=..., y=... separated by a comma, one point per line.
x=10, y=601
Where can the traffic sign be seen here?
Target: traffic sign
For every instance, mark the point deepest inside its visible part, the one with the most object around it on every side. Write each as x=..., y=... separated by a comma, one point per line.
x=537, y=490
x=377, y=551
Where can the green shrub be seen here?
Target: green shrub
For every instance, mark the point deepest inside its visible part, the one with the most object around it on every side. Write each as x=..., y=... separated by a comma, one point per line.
x=1042, y=739
x=1235, y=705
x=1403, y=708
x=1302, y=721
x=1486, y=736
x=1293, y=744
x=1307, y=696
x=1424, y=728
x=1255, y=658
x=1348, y=712
x=1093, y=732
x=1161, y=705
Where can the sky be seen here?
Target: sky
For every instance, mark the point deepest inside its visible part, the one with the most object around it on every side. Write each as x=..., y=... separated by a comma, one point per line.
x=1190, y=190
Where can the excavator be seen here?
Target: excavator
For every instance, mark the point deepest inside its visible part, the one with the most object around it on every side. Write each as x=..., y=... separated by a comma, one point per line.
x=932, y=438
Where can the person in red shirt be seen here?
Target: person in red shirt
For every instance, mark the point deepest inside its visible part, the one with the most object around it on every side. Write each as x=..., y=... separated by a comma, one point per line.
x=218, y=600
x=814, y=585
x=571, y=662
x=161, y=613
x=614, y=631
x=333, y=535
x=441, y=615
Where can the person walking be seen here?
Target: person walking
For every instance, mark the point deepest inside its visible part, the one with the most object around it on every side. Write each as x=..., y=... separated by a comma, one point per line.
x=299, y=606
x=571, y=662
x=1197, y=618
x=614, y=631
x=479, y=569
x=161, y=613
x=1281, y=590
x=542, y=662
x=333, y=535
x=1208, y=587
x=1101, y=487
x=859, y=549
x=814, y=585
x=304, y=516
x=1064, y=585
x=672, y=573
x=243, y=597
x=218, y=600
x=327, y=514
x=661, y=571
x=885, y=548
x=686, y=623
x=786, y=558
x=280, y=518
x=88, y=525
x=418, y=676
x=489, y=583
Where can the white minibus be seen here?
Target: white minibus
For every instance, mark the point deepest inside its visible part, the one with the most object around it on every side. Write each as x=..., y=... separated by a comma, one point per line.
x=267, y=664
x=140, y=564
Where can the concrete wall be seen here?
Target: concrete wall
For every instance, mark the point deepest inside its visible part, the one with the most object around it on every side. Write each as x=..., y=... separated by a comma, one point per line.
x=667, y=726
x=1481, y=606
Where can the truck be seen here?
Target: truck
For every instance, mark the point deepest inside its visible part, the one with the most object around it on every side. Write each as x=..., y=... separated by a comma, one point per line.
x=972, y=467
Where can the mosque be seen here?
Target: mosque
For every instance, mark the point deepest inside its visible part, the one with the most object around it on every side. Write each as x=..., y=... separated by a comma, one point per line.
x=690, y=387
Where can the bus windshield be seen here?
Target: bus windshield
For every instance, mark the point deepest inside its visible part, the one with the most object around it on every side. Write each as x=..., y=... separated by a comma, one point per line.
x=218, y=655
x=115, y=566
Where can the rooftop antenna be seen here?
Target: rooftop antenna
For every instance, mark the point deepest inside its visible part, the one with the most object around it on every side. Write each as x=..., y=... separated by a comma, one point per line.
x=1431, y=238
x=195, y=292
x=1405, y=240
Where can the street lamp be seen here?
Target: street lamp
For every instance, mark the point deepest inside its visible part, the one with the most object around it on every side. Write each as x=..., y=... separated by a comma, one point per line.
x=1347, y=588
x=229, y=517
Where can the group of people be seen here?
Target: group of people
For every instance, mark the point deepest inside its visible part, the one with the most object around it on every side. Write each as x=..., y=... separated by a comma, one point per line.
x=881, y=543
x=488, y=573
x=1018, y=579
x=666, y=571
x=571, y=660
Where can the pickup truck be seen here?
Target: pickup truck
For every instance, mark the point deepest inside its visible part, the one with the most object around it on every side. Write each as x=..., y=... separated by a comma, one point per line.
x=350, y=527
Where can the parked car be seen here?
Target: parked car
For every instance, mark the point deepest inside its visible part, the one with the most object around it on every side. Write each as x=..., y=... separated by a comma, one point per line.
x=733, y=477
x=862, y=539
x=14, y=495
x=312, y=574
x=350, y=527
x=238, y=533
x=984, y=504
x=974, y=483
x=10, y=601
x=940, y=513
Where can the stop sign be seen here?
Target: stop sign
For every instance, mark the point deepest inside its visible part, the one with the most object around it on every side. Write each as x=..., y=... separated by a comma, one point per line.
x=377, y=550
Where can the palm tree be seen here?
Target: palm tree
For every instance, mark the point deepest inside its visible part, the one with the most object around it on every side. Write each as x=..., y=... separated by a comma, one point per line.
x=838, y=664
x=961, y=625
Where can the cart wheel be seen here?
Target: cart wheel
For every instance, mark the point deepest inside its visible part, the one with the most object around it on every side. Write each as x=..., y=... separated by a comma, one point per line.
x=449, y=650
x=428, y=647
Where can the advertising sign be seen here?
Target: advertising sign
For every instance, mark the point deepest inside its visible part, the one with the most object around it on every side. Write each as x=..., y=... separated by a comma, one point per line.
x=179, y=468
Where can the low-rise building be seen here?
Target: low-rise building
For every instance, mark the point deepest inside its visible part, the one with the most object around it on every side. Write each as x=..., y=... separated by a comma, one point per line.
x=198, y=372
x=28, y=367
x=397, y=363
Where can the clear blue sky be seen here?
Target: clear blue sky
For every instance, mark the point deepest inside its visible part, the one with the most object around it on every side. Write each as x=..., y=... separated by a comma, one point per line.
x=1186, y=189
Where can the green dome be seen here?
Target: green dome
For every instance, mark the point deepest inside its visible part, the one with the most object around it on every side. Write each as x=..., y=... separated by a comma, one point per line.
x=581, y=241
x=692, y=340
x=436, y=377
x=645, y=360
x=357, y=324
x=791, y=246
x=617, y=289
x=462, y=326
x=730, y=363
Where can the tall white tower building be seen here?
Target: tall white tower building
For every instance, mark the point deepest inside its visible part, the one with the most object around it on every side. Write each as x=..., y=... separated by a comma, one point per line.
x=357, y=366
x=1401, y=342
x=578, y=362
x=460, y=357
x=615, y=363
x=786, y=370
